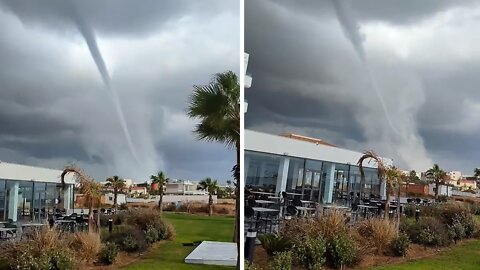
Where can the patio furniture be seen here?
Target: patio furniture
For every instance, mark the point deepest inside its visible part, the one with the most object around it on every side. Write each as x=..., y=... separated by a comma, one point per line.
x=291, y=210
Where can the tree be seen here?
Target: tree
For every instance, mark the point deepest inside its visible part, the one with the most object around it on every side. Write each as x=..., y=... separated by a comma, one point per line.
x=437, y=176
x=476, y=173
x=161, y=181
x=217, y=106
x=393, y=177
x=89, y=188
x=370, y=156
x=211, y=186
x=118, y=185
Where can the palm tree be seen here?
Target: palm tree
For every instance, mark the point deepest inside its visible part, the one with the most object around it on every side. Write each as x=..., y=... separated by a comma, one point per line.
x=476, y=173
x=162, y=181
x=370, y=156
x=211, y=186
x=217, y=106
x=118, y=185
x=437, y=176
x=91, y=189
x=393, y=177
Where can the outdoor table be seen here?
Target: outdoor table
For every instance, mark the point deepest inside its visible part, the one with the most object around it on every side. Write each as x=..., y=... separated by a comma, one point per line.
x=262, y=193
x=260, y=210
x=306, y=202
x=264, y=202
x=335, y=207
x=294, y=194
x=365, y=209
x=274, y=198
x=305, y=210
x=4, y=231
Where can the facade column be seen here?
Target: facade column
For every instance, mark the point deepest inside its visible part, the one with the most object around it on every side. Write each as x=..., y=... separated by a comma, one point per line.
x=13, y=201
x=261, y=174
x=246, y=165
x=282, y=175
x=67, y=197
x=329, y=183
x=296, y=171
x=383, y=189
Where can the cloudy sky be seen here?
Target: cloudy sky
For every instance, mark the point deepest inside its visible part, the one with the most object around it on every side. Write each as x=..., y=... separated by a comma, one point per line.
x=55, y=109
x=422, y=56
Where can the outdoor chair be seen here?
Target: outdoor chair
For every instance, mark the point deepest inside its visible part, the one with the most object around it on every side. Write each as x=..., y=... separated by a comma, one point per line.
x=292, y=211
x=251, y=202
x=297, y=202
x=249, y=214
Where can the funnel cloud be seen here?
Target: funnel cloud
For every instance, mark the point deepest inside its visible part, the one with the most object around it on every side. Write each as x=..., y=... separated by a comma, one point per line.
x=317, y=70
x=54, y=109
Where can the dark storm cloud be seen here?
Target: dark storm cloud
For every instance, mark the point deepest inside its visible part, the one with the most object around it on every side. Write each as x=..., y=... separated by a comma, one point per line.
x=54, y=108
x=115, y=17
x=308, y=79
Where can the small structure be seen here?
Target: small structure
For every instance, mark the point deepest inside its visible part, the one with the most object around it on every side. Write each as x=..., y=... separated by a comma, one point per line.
x=214, y=253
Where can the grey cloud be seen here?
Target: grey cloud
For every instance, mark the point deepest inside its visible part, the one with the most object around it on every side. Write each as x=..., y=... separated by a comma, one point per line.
x=54, y=108
x=307, y=78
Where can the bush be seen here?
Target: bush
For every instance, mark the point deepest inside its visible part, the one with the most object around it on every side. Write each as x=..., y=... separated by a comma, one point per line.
x=170, y=232
x=61, y=259
x=152, y=235
x=428, y=231
x=109, y=253
x=311, y=253
x=378, y=233
x=400, y=245
x=86, y=245
x=409, y=210
x=342, y=251
x=274, y=243
x=171, y=207
x=127, y=238
x=123, y=206
x=118, y=219
x=282, y=261
x=456, y=231
x=250, y=266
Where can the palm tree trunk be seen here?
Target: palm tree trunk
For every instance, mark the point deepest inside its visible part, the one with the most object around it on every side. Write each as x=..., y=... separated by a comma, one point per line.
x=210, y=204
x=115, y=192
x=160, y=203
x=90, y=216
x=398, y=204
x=436, y=189
x=387, y=203
x=236, y=233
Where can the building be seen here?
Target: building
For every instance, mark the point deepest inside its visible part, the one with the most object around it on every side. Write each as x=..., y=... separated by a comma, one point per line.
x=182, y=187
x=316, y=169
x=30, y=193
x=455, y=175
x=443, y=190
x=136, y=190
x=465, y=184
x=109, y=198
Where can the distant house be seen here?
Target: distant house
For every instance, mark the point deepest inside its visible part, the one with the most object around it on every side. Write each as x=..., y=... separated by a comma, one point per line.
x=182, y=187
x=137, y=190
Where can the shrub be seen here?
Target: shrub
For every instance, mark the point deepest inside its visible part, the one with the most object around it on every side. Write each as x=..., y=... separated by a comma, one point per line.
x=128, y=238
x=456, y=231
x=170, y=232
x=427, y=231
x=152, y=235
x=221, y=211
x=409, y=210
x=123, y=206
x=118, y=219
x=171, y=207
x=273, y=243
x=378, y=232
x=282, y=261
x=86, y=245
x=61, y=259
x=400, y=245
x=342, y=251
x=250, y=266
x=311, y=253
x=109, y=253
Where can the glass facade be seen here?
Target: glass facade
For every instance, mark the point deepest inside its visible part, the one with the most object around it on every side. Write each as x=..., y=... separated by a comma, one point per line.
x=30, y=200
x=315, y=180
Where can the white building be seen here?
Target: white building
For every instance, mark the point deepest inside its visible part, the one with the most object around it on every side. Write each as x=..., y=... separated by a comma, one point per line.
x=32, y=193
x=455, y=175
x=442, y=190
x=317, y=170
x=182, y=187
x=109, y=198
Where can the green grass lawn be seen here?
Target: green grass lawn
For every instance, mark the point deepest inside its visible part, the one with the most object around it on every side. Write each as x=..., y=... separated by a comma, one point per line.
x=465, y=256
x=188, y=228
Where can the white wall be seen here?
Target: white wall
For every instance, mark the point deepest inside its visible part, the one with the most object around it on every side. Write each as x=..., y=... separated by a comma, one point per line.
x=175, y=199
x=121, y=198
x=278, y=145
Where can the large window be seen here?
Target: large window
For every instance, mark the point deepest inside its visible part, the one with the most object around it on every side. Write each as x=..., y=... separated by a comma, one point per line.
x=262, y=170
x=295, y=174
x=25, y=197
x=39, y=201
